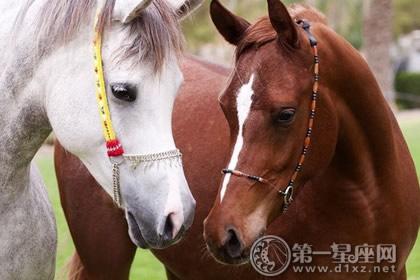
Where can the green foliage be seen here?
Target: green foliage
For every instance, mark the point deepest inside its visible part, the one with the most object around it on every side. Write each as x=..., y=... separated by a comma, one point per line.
x=408, y=83
x=346, y=17
x=199, y=28
x=406, y=16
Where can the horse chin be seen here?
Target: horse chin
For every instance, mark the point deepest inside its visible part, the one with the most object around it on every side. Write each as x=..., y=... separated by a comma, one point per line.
x=138, y=238
x=139, y=242
x=222, y=258
x=135, y=233
x=229, y=261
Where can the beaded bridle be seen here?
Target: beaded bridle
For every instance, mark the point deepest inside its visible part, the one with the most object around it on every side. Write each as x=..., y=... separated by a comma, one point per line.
x=288, y=192
x=114, y=148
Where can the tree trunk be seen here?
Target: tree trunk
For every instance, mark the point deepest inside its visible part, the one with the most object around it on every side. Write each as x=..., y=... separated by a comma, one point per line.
x=377, y=41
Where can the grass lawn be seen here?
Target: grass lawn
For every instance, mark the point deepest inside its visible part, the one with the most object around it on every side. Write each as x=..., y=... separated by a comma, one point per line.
x=145, y=265
x=412, y=134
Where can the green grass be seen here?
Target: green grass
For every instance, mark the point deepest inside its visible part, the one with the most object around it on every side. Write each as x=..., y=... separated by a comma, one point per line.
x=412, y=134
x=145, y=265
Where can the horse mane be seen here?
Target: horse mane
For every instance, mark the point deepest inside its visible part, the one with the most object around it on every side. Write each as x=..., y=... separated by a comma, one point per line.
x=263, y=32
x=152, y=36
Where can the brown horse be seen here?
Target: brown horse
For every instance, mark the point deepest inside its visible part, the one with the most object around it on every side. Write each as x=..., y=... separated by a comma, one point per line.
x=356, y=183
x=356, y=148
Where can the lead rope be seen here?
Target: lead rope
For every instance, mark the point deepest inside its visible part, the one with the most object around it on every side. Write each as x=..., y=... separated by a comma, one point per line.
x=289, y=191
x=113, y=145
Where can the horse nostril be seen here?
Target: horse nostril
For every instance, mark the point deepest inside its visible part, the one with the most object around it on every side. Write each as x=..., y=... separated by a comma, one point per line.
x=168, y=228
x=233, y=245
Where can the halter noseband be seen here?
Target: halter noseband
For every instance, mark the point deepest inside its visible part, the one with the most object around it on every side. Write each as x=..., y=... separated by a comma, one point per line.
x=288, y=192
x=114, y=147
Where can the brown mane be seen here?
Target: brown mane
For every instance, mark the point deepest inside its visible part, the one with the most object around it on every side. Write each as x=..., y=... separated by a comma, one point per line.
x=262, y=31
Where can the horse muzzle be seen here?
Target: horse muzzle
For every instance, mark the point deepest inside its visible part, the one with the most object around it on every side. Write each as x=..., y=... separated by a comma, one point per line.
x=162, y=232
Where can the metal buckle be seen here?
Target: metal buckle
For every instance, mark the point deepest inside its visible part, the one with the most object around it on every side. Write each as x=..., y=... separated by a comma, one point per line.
x=287, y=197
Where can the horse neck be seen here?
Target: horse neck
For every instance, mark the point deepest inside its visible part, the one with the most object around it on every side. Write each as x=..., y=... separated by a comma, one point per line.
x=24, y=127
x=369, y=140
x=23, y=119
x=371, y=168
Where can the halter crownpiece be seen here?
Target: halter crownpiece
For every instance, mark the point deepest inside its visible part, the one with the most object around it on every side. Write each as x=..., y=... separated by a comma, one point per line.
x=289, y=191
x=115, y=150
x=113, y=145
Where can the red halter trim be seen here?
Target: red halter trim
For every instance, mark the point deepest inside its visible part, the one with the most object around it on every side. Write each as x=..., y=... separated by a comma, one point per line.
x=114, y=148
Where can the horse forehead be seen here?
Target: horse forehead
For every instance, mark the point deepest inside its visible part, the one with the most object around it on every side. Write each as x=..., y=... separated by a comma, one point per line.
x=127, y=70
x=276, y=75
x=262, y=84
x=270, y=63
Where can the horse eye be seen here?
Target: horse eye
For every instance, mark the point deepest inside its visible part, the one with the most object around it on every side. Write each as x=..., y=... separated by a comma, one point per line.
x=286, y=116
x=124, y=91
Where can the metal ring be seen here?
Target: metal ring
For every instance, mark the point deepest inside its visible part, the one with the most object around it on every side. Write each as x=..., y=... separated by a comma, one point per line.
x=288, y=195
x=114, y=160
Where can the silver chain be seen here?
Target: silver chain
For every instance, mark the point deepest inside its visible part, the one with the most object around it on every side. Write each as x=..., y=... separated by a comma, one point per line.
x=135, y=160
x=116, y=183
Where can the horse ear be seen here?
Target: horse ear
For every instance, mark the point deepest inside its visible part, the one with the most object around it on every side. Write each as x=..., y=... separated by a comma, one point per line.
x=127, y=10
x=231, y=27
x=283, y=23
x=185, y=7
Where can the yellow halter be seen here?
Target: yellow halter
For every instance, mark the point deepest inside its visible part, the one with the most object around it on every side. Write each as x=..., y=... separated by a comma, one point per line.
x=113, y=145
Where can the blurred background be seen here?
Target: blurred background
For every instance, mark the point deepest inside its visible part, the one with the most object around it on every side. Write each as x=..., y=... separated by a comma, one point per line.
x=386, y=32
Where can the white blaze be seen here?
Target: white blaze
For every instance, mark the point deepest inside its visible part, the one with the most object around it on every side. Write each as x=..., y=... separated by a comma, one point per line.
x=243, y=106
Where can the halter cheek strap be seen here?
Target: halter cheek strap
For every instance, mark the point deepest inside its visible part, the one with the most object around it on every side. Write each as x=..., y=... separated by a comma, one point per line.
x=289, y=190
x=113, y=145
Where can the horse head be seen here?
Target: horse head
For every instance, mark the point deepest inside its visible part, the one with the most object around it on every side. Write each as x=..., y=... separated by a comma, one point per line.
x=140, y=73
x=270, y=105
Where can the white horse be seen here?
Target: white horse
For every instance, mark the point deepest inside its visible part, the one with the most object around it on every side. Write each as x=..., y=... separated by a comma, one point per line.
x=47, y=82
